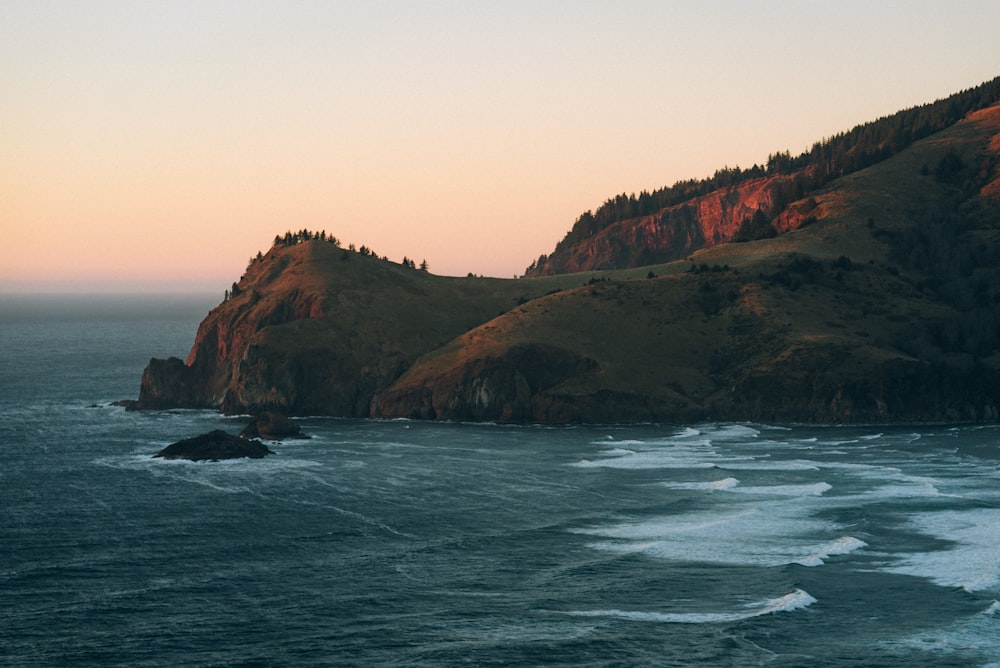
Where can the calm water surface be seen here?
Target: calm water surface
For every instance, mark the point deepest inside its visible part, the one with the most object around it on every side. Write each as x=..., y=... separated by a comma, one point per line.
x=402, y=543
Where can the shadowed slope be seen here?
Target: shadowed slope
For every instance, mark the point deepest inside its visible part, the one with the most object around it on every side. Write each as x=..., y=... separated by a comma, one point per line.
x=853, y=318
x=884, y=308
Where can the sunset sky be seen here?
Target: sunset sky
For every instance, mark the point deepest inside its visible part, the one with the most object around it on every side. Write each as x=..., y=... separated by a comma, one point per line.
x=159, y=145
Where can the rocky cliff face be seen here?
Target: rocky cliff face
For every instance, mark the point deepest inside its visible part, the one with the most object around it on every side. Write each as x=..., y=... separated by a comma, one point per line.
x=742, y=212
x=881, y=309
x=222, y=360
x=317, y=329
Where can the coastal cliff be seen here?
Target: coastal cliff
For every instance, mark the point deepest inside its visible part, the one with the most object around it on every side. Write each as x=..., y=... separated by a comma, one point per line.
x=735, y=213
x=312, y=328
x=872, y=299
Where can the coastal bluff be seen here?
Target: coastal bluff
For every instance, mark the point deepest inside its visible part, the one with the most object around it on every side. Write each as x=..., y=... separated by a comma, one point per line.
x=880, y=308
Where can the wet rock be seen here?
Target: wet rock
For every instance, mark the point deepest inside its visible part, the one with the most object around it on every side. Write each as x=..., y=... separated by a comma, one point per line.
x=272, y=426
x=213, y=446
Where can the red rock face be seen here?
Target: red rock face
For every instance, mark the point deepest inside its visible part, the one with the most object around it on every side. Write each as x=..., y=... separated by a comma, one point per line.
x=675, y=232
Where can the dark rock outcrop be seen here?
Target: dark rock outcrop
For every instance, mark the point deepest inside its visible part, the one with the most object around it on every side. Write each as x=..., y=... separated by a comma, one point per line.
x=213, y=446
x=169, y=383
x=846, y=310
x=272, y=426
x=507, y=388
x=729, y=214
x=310, y=333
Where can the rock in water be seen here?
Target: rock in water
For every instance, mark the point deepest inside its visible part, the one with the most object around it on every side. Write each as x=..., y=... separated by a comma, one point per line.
x=272, y=426
x=213, y=446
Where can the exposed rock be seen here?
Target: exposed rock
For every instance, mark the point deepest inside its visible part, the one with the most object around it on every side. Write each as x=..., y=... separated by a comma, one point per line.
x=507, y=388
x=309, y=334
x=169, y=383
x=836, y=319
x=213, y=446
x=675, y=232
x=272, y=426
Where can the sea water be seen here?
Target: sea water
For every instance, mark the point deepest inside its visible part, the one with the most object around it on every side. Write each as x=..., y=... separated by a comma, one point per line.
x=398, y=543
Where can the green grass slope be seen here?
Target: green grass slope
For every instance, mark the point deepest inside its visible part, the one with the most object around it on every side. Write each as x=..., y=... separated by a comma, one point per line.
x=882, y=310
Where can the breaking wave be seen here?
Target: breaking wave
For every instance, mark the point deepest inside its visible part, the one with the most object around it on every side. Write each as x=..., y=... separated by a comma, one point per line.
x=796, y=600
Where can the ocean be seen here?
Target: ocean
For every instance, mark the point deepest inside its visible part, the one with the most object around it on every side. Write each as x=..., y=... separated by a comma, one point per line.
x=399, y=543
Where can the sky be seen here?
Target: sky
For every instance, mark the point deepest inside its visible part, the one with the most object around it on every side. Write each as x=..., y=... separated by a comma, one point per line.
x=158, y=146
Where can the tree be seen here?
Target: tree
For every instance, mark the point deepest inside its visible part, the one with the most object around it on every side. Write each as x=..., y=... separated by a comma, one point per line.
x=423, y=265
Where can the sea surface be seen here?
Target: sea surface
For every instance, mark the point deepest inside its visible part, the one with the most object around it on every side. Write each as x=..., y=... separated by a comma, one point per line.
x=397, y=543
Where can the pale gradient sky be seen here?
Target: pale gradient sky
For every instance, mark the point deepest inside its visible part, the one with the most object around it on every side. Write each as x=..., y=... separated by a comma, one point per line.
x=160, y=145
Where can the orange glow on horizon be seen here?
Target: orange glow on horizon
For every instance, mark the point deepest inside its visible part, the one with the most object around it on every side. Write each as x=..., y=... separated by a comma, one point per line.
x=164, y=145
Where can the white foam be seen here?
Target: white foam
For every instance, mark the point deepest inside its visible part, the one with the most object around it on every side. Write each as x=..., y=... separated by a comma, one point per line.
x=972, y=562
x=711, y=485
x=843, y=545
x=976, y=633
x=731, y=432
x=630, y=442
x=767, y=534
x=796, y=600
x=813, y=489
x=769, y=466
x=901, y=485
x=645, y=460
x=618, y=452
x=698, y=453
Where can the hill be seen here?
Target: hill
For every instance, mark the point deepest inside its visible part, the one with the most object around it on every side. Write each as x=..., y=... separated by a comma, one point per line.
x=877, y=303
x=744, y=204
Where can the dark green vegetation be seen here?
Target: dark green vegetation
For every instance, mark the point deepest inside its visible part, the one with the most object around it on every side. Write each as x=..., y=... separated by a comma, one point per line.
x=873, y=298
x=827, y=160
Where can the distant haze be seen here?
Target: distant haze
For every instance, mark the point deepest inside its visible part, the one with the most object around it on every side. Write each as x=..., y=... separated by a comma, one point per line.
x=158, y=146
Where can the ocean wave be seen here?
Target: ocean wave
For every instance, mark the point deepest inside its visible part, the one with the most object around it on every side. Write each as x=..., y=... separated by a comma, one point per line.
x=711, y=485
x=796, y=600
x=843, y=545
x=973, y=560
x=770, y=466
x=643, y=460
x=812, y=489
x=767, y=533
x=617, y=452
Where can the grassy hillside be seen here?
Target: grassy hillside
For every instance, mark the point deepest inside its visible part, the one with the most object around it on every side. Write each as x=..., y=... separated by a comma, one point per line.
x=884, y=308
x=628, y=230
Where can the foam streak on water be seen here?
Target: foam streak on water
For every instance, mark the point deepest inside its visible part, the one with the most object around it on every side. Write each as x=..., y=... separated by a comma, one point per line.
x=796, y=600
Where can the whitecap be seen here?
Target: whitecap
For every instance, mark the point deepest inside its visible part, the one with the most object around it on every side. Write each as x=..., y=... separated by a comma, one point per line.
x=631, y=442
x=617, y=452
x=644, y=460
x=973, y=560
x=769, y=466
x=796, y=600
x=976, y=633
x=732, y=432
x=812, y=489
x=843, y=545
x=711, y=485
x=901, y=485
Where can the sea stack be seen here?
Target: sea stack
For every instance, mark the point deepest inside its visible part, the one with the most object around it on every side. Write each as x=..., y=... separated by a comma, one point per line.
x=213, y=446
x=272, y=426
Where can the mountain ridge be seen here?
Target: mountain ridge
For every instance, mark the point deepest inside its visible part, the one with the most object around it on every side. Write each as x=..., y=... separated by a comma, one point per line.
x=875, y=300
x=609, y=237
